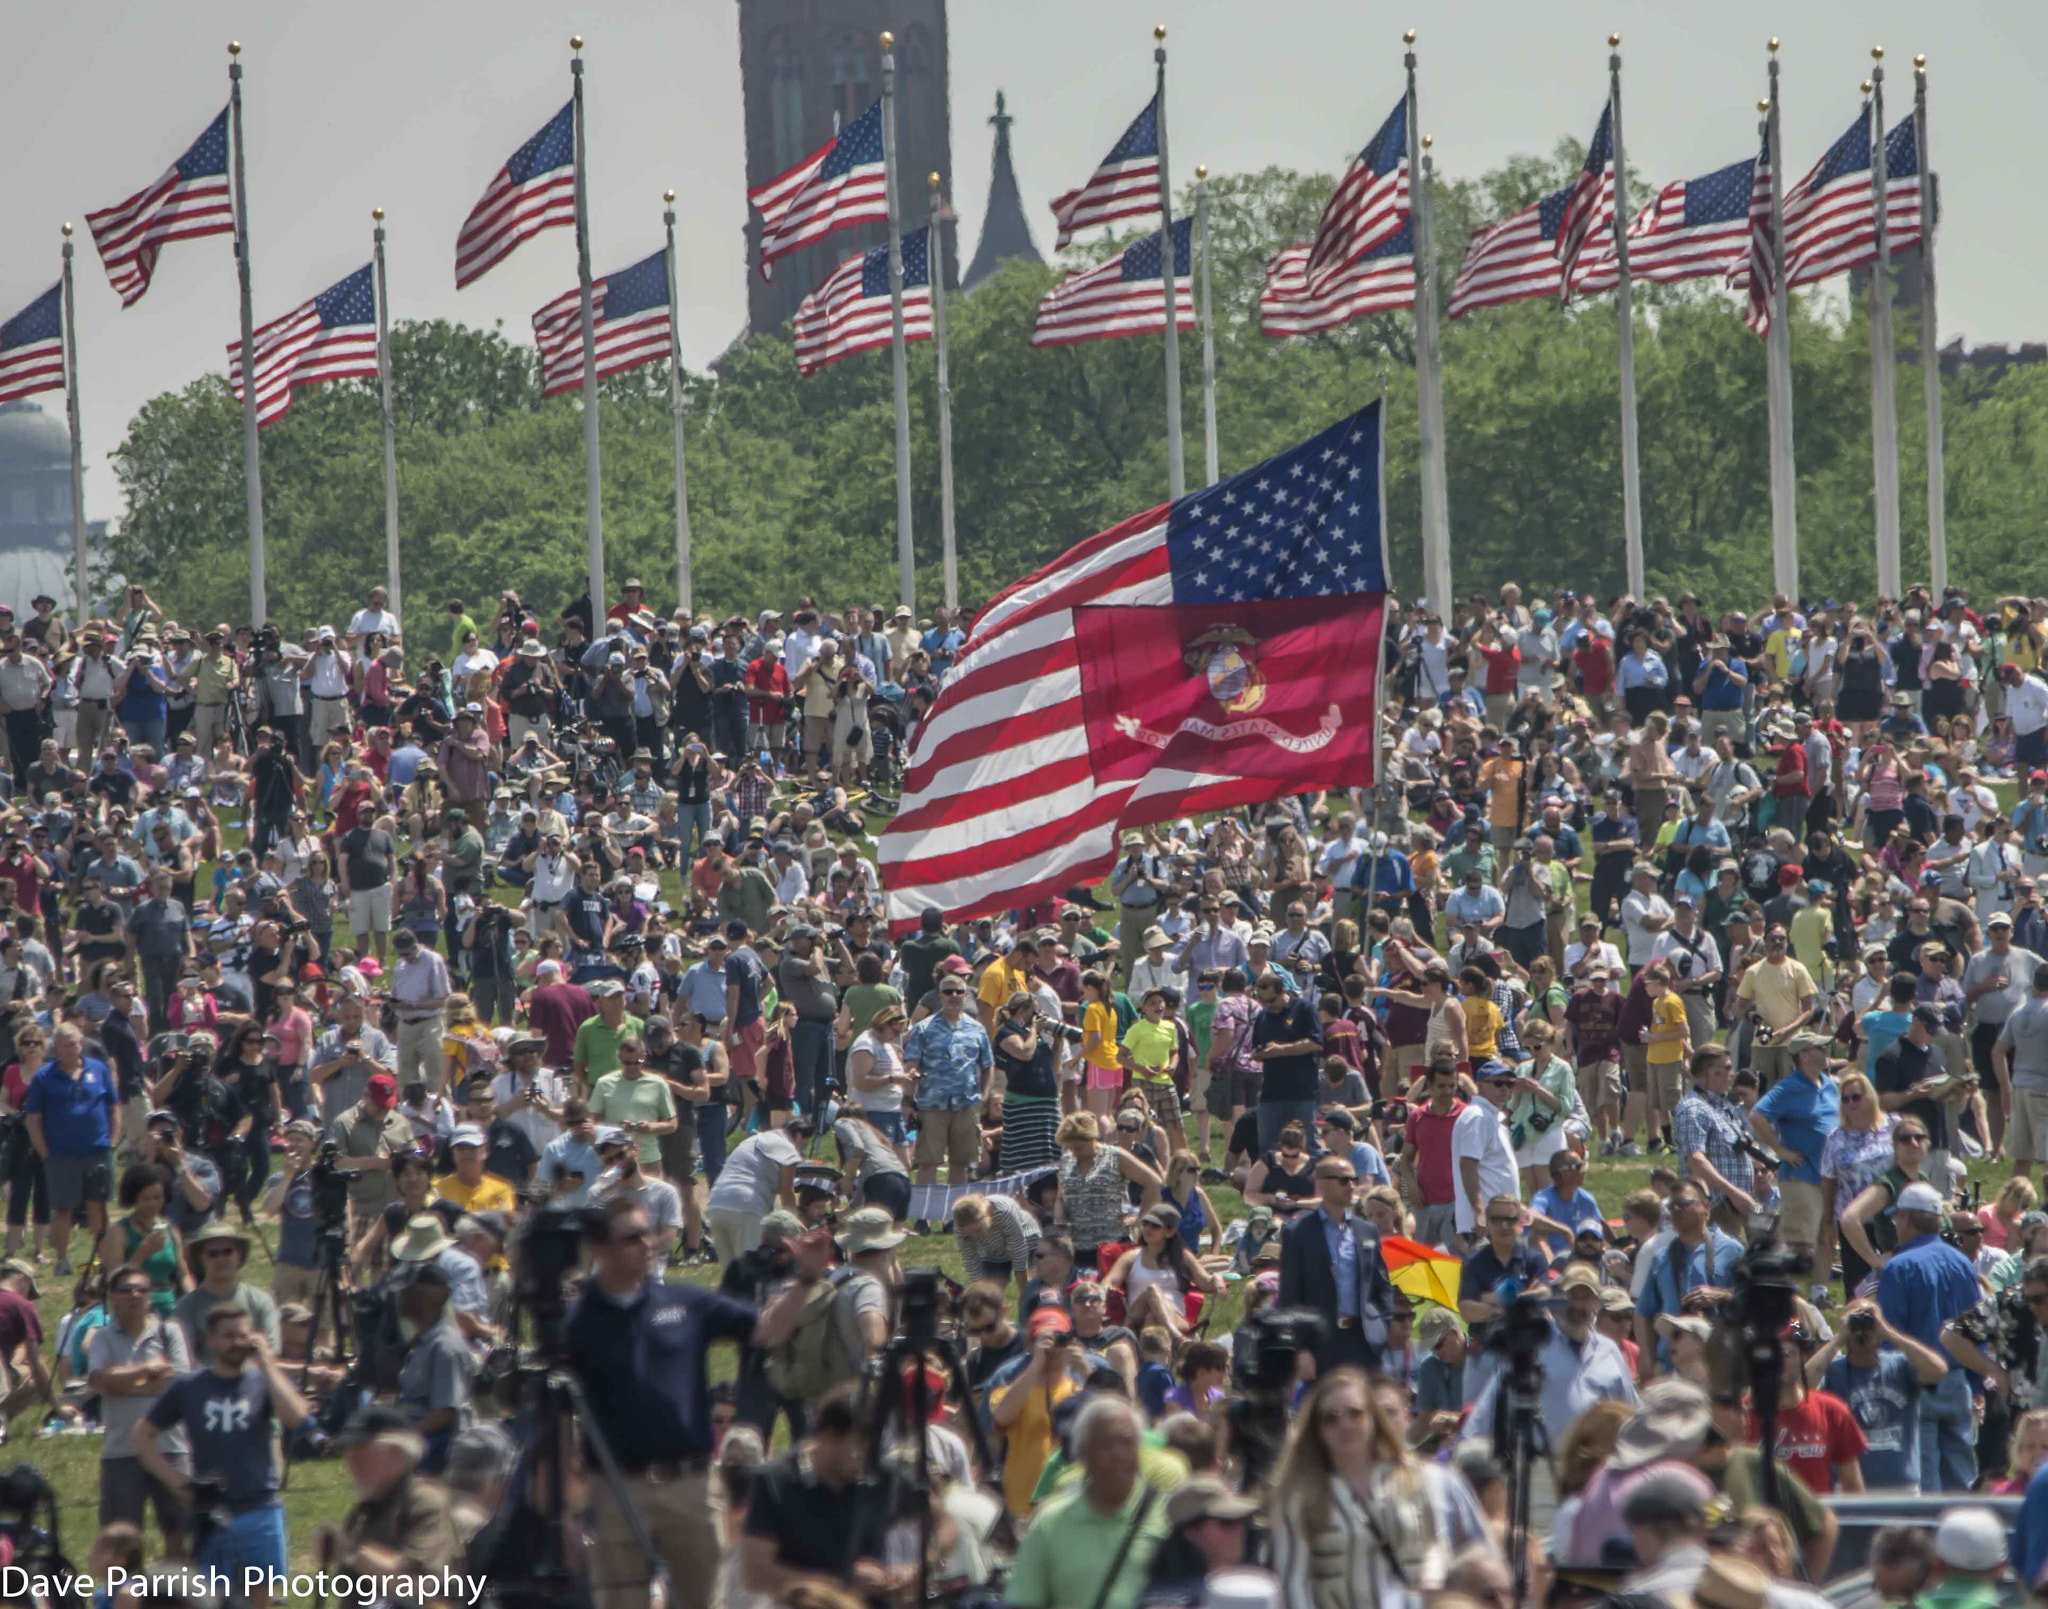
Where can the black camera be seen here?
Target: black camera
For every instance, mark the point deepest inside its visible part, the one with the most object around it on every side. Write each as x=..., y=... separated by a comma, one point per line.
x=330, y=1189
x=550, y=1250
x=1278, y=1337
x=920, y=1306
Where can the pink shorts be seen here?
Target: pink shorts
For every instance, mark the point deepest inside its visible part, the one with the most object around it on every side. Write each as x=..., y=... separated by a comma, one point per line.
x=746, y=1047
x=1105, y=1077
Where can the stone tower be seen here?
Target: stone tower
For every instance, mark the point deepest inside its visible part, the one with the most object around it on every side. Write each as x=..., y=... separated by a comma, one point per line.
x=1005, y=233
x=809, y=66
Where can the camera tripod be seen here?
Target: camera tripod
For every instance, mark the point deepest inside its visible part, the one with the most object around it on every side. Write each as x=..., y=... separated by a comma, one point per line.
x=920, y=1340
x=333, y=1290
x=1519, y=1436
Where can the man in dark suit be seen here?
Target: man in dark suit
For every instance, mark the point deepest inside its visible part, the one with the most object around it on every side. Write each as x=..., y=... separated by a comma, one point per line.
x=1330, y=1262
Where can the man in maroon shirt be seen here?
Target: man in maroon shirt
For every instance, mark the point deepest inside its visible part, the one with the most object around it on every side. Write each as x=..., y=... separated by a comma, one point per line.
x=1427, y=1171
x=1594, y=1017
x=555, y=1010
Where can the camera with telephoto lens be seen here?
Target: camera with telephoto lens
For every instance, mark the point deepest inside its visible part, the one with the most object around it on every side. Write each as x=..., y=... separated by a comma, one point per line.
x=1746, y=1349
x=29, y=1521
x=330, y=1189
x=1524, y=1327
x=1278, y=1337
x=1065, y=1030
x=550, y=1250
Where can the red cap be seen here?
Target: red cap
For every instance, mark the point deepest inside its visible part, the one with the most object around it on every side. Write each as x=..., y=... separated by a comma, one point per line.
x=1050, y=1320
x=384, y=1087
x=953, y=964
x=1788, y=875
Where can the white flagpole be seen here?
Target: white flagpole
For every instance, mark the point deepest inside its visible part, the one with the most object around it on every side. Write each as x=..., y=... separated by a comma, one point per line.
x=1930, y=347
x=593, y=485
x=906, y=552
x=1176, y=457
x=390, y=422
x=77, y=443
x=1778, y=367
x=252, y=462
x=1884, y=413
x=937, y=260
x=1208, y=330
x=1624, y=310
x=675, y=408
x=1429, y=385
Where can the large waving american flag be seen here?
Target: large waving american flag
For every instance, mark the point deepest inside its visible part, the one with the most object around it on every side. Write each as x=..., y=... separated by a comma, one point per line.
x=1512, y=260
x=1126, y=185
x=1382, y=281
x=851, y=312
x=842, y=183
x=332, y=337
x=32, y=347
x=1589, y=205
x=1370, y=203
x=1691, y=229
x=629, y=310
x=189, y=201
x=533, y=191
x=1216, y=651
x=1125, y=296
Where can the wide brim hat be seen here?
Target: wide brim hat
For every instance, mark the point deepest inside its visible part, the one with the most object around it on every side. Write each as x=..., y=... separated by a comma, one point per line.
x=1671, y=1421
x=213, y=1234
x=425, y=1237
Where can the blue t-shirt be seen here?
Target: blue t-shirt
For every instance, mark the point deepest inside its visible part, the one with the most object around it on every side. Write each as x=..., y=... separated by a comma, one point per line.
x=227, y=1422
x=1581, y=1209
x=643, y=1366
x=1926, y=1284
x=76, y=1112
x=1154, y=1381
x=1804, y=1114
x=1723, y=691
x=1881, y=1031
x=1886, y=1402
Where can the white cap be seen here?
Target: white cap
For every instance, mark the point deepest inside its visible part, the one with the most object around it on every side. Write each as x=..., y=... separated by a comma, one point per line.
x=1919, y=1196
x=1970, y=1539
x=467, y=1134
x=1241, y=1588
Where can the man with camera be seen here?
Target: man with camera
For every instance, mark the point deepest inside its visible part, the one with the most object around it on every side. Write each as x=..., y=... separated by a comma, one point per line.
x=1922, y=1288
x=195, y=1182
x=346, y=1055
x=228, y=1411
x=1881, y=1373
x=296, y=1195
x=639, y=1345
x=1691, y=1276
x=1712, y=1140
x=435, y=1380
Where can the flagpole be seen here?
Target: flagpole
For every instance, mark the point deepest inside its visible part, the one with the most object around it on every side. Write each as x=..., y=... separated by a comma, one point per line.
x=906, y=551
x=1930, y=348
x=1778, y=367
x=1429, y=393
x=1176, y=457
x=252, y=463
x=1624, y=310
x=1884, y=413
x=1208, y=330
x=390, y=424
x=937, y=261
x=675, y=408
x=77, y=442
x=593, y=486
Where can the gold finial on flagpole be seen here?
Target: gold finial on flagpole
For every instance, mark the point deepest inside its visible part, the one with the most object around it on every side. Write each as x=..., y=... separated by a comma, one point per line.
x=1159, y=30
x=234, y=47
x=1428, y=140
x=888, y=40
x=1866, y=86
x=1614, y=41
x=1408, y=38
x=1877, y=53
x=1201, y=170
x=376, y=214
x=668, y=196
x=67, y=230
x=1774, y=44
x=1763, y=106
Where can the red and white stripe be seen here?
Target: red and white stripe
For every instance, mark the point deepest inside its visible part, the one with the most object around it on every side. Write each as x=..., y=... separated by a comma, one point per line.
x=1369, y=285
x=836, y=320
x=1507, y=262
x=1831, y=231
x=296, y=351
x=130, y=233
x=1099, y=304
x=621, y=344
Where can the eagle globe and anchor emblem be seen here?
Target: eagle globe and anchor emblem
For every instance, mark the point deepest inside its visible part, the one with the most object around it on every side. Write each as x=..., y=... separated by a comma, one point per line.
x=1227, y=657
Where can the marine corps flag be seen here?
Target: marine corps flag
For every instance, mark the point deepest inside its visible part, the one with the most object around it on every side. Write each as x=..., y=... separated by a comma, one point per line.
x=1220, y=650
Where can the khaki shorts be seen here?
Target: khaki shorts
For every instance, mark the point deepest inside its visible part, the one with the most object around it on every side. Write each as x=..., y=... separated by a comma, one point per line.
x=1403, y=1063
x=1600, y=1084
x=950, y=1137
x=1635, y=1067
x=1664, y=1081
x=2026, y=1131
x=1198, y=1088
x=1799, y=1213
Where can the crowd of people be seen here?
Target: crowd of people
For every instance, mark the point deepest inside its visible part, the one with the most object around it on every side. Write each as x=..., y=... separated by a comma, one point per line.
x=582, y=913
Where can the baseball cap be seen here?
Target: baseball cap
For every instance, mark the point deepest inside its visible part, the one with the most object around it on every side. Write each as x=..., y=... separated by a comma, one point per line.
x=1970, y=1538
x=1579, y=1277
x=1920, y=1196
x=383, y=1085
x=1049, y=1321
x=467, y=1134
x=610, y=1135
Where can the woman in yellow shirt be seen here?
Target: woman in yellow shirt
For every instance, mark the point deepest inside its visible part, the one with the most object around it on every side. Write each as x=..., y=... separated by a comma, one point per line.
x=1099, y=1044
x=1667, y=1042
x=1483, y=1021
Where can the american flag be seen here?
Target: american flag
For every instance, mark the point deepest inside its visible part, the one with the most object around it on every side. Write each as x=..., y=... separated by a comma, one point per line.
x=850, y=312
x=1830, y=225
x=839, y=184
x=1215, y=651
x=1691, y=229
x=32, y=347
x=1122, y=297
x=629, y=312
x=535, y=190
x=1512, y=260
x=1589, y=204
x=1382, y=281
x=1126, y=185
x=1370, y=203
x=189, y=201
x=1755, y=273
x=332, y=337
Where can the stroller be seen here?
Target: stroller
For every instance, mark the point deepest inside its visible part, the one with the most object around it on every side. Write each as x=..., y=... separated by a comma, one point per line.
x=888, y=725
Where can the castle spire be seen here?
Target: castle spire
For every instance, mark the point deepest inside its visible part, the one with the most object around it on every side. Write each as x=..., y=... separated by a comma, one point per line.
x=1004, y=232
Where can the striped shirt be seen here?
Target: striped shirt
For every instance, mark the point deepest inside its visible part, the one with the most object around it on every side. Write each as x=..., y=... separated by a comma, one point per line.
x=1009, y=1243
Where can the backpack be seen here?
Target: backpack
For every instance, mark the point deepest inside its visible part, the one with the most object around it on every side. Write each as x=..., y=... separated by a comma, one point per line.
x=813, y=1358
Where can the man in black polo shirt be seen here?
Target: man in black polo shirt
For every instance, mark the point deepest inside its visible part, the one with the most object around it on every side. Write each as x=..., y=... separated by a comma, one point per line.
x=1287, y=1041
x=1503, y=1254
x=814, y=1516
x=639, y=1347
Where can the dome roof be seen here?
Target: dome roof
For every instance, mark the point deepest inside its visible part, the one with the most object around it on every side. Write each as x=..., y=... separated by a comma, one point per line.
x=31, y=438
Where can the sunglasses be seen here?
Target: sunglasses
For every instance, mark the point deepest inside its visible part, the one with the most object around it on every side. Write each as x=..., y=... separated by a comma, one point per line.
x=1087, y=1301
x=1852, y=1099
x=1909, y=1139
x=222, y=1251
x=952, y=991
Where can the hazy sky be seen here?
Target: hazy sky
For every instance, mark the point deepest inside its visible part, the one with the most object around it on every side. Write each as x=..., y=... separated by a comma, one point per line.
x=413, y=106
